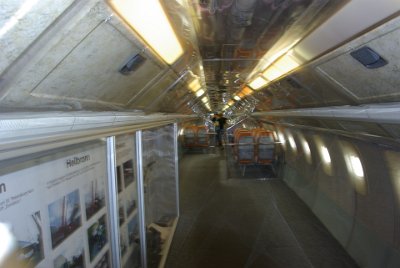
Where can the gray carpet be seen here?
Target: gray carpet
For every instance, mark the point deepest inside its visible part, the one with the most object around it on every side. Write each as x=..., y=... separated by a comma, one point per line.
x=245, y=223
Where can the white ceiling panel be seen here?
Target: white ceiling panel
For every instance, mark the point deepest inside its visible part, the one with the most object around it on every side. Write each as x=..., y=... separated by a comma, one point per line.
x=22, y=21
x=363, y=84
x=90, y=72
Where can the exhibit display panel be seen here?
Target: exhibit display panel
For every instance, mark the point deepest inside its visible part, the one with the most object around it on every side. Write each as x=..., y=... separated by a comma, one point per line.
x=159, y=162
x=56, y=206
x=127, y=192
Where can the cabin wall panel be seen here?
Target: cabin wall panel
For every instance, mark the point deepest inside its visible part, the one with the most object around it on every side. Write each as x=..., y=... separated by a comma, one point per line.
x=366, y=224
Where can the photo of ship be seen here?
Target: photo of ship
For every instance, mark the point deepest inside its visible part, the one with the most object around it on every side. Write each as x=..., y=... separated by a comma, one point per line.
x=130, y=205
x=29, y=240
x=128, y=172
x=104, y=262
x=119, y=179
x=133, y=231
x=65, y=217
x=71, y=257
x=94, y=198
x=122, y=242
x=121, y=213
x=97, y=237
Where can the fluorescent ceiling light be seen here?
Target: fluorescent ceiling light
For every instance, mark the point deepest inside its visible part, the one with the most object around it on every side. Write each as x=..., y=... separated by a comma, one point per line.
x=325, y=155
x=205, y=99
x=199, y=92
x=231, y=102
x=286, y=64
x=149, y=20
x=236, y=97
x=271, y=73
x=258, y=83
x=246, y=91
x=194, y=85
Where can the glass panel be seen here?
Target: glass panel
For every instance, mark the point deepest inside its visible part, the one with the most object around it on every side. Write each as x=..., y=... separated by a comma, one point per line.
x=160, y=196
x=128, y=201
x=55, y=204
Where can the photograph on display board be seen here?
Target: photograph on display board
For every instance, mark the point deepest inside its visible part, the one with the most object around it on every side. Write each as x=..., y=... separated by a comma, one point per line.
x=130, y=205
x=94, y=198
x=28, y=232
x=133, y=231
x=119, y=179
x=97, y=237
x=128, y=172
x=121, y=213
x=123, y=245
x=65, y=217
x=72, y=256
x=104, y=262
x=134, y=259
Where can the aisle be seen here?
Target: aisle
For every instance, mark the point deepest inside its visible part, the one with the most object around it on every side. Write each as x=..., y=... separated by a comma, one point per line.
x=245, y=223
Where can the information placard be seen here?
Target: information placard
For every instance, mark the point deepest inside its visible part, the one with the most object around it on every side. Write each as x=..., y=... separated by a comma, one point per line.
x=56, y=208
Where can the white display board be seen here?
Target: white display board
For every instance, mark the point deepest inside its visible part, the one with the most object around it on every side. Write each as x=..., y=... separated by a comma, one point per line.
x=56, y=206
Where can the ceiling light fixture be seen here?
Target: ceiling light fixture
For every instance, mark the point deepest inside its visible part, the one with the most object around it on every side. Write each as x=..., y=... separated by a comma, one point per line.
x=200, y=92
x=258, y=83
x=282, y=66
x=149, y=20
x=194, y=85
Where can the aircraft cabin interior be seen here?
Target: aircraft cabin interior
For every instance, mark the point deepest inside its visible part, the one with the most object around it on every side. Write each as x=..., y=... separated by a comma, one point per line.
x=199, y=133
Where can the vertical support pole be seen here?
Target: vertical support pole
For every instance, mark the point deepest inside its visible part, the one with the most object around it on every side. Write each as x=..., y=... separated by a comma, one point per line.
x=176, y=168
x=113, y=202
x=141, y=208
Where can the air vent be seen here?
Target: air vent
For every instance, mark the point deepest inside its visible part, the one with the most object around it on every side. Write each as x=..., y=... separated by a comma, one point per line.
x=134, y=63
x=368, y=58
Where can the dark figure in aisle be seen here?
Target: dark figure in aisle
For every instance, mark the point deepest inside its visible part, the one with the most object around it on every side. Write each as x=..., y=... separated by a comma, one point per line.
x=219, y=123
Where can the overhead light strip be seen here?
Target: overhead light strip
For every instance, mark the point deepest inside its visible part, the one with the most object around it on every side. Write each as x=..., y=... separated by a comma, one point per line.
x=148, y=19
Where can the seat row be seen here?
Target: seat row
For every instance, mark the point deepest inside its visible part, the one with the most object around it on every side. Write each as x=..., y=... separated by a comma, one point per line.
x=256, y=146
x=196, y=137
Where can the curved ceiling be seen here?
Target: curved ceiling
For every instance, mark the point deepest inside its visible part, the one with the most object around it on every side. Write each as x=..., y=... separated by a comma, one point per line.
x=80, y=56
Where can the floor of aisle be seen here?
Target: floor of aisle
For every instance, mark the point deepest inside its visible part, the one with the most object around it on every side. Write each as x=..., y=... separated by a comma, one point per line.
x=231, y=222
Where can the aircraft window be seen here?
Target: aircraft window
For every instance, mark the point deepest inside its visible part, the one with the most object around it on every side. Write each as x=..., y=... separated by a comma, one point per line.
x=393, y=160
x=325, y=155
x=292, y=143
x=307, y=151
x=281, y=138
x=354, y=167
